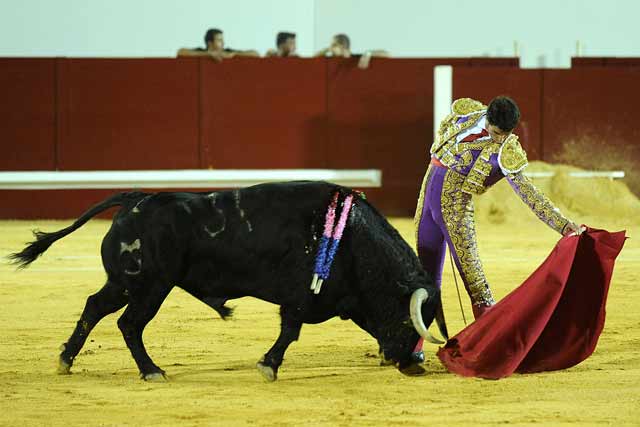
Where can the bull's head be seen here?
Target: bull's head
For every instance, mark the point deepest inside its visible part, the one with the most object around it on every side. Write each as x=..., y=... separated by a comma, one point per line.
x=400, y=336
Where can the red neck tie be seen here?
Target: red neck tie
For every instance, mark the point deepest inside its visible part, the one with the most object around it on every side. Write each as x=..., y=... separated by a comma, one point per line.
x=474, y=136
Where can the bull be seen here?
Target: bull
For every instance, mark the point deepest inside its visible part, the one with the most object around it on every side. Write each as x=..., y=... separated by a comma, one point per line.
x=259, y=241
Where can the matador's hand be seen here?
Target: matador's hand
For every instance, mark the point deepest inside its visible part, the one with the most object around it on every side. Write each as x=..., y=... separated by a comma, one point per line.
x=573, y=229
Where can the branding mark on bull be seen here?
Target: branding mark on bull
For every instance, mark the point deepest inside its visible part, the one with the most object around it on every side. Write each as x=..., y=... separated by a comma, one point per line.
x=213, y=234
x=129, y=247
x=185, y=207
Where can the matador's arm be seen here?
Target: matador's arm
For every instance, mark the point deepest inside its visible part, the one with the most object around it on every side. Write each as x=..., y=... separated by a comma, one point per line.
x=538, y=202
x=512, y=160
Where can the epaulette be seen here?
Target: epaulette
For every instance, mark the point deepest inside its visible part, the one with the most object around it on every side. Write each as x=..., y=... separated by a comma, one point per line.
x=512, y=158
x=466, y=106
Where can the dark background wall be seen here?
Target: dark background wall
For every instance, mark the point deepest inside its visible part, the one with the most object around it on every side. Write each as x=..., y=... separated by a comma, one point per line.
x=118, y=114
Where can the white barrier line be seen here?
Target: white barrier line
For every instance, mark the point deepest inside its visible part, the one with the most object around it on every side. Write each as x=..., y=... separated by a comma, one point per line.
x=579, y=174
x=186, y=178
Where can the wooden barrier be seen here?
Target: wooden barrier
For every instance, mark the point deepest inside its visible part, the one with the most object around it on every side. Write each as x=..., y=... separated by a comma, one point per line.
x=257, y=113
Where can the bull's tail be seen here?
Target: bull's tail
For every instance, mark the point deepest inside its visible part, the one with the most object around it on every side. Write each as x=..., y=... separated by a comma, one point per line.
x=44, y=240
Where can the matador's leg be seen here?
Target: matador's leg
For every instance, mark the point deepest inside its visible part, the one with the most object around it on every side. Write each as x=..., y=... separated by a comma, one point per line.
x=430, y=241
x=429, y=236
x=458, y=220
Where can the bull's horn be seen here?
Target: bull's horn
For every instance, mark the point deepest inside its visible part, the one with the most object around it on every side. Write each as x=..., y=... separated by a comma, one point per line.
x=418, y=297
x=440, y=321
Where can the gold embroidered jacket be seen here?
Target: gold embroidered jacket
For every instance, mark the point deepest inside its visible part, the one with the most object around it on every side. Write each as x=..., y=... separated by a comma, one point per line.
x=482, y=163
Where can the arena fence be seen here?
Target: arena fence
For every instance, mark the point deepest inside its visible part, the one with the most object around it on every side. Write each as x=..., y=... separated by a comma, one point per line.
x=188, y=178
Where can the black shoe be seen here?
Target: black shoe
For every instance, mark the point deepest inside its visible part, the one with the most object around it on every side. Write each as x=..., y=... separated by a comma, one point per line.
x=417, y=356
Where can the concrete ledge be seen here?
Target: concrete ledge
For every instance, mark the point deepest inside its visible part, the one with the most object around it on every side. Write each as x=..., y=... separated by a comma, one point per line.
x=186, y=178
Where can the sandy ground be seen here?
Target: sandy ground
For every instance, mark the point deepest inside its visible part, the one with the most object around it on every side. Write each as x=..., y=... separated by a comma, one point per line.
x=330, y=376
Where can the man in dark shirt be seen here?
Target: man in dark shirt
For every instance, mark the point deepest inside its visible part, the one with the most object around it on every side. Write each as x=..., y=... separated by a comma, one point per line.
x=214, y=42
x=341, y=48
x=285, y=45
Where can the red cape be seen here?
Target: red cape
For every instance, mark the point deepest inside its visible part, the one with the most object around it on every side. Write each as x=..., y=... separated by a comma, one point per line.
x=552, y=321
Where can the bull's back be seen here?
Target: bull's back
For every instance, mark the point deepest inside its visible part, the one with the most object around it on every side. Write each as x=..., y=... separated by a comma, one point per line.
x=251, y=229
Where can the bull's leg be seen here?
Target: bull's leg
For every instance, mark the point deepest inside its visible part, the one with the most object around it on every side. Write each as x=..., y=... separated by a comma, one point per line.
x=289, y=332
x=361, y=321
x=142, y=307
x=216, y=303
x=109, y=299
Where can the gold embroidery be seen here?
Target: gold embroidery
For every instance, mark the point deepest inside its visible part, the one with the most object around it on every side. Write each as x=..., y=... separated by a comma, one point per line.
x=474, y=145
x=538, y=202
x=449, y=128
x=457, y=212
x=464, y=106
x=474, y=183
x=463, y=161
x=511, y=157
x=447, y=158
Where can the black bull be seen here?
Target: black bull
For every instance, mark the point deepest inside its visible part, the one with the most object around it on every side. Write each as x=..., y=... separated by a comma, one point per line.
x=260, y=241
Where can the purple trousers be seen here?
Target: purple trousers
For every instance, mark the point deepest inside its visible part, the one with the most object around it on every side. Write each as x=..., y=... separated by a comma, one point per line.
x=447, y=219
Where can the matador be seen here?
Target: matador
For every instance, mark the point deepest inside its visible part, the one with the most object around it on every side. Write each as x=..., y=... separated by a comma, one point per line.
x=475, y=147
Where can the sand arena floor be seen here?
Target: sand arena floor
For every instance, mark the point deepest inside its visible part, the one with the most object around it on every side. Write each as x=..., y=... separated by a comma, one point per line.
x=330, y=376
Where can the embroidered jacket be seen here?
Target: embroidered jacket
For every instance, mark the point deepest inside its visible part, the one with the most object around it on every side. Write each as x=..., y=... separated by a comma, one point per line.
x=481, y=162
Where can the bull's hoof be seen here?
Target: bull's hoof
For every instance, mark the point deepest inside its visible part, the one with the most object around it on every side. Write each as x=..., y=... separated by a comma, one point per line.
x=64, y=368
x=413, y=370
x=384, y=361
x=268, y=373
x=157, y=377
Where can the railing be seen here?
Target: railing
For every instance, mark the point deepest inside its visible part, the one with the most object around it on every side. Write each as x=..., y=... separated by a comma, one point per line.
x=59, y=180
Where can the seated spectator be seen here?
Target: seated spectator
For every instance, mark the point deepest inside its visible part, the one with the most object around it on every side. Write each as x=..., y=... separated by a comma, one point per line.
x=214, y=42
x=341, y=47
x=285, y=46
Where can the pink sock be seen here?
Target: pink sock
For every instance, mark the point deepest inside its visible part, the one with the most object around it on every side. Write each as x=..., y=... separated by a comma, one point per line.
x=418, y=346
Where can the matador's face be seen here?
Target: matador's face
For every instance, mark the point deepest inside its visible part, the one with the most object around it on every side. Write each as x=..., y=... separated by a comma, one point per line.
x=497, y=135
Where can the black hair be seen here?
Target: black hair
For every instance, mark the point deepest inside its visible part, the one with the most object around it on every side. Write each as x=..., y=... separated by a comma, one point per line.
x=504, y=113
x=282, y=38
x=343, y=40
x=210, y=35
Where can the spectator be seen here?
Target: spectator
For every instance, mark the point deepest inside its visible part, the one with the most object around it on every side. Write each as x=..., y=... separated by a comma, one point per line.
x=285, y=45
x=214, y=48
x=341, y=47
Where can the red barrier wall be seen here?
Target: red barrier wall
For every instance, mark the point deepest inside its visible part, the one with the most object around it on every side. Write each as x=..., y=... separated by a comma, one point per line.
x=382, y=118
x=86, y=114
x=28, y=114
x=264, y=113
x=138, y=114
x=50, y=204
x=604, y=62
x=596, y=105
